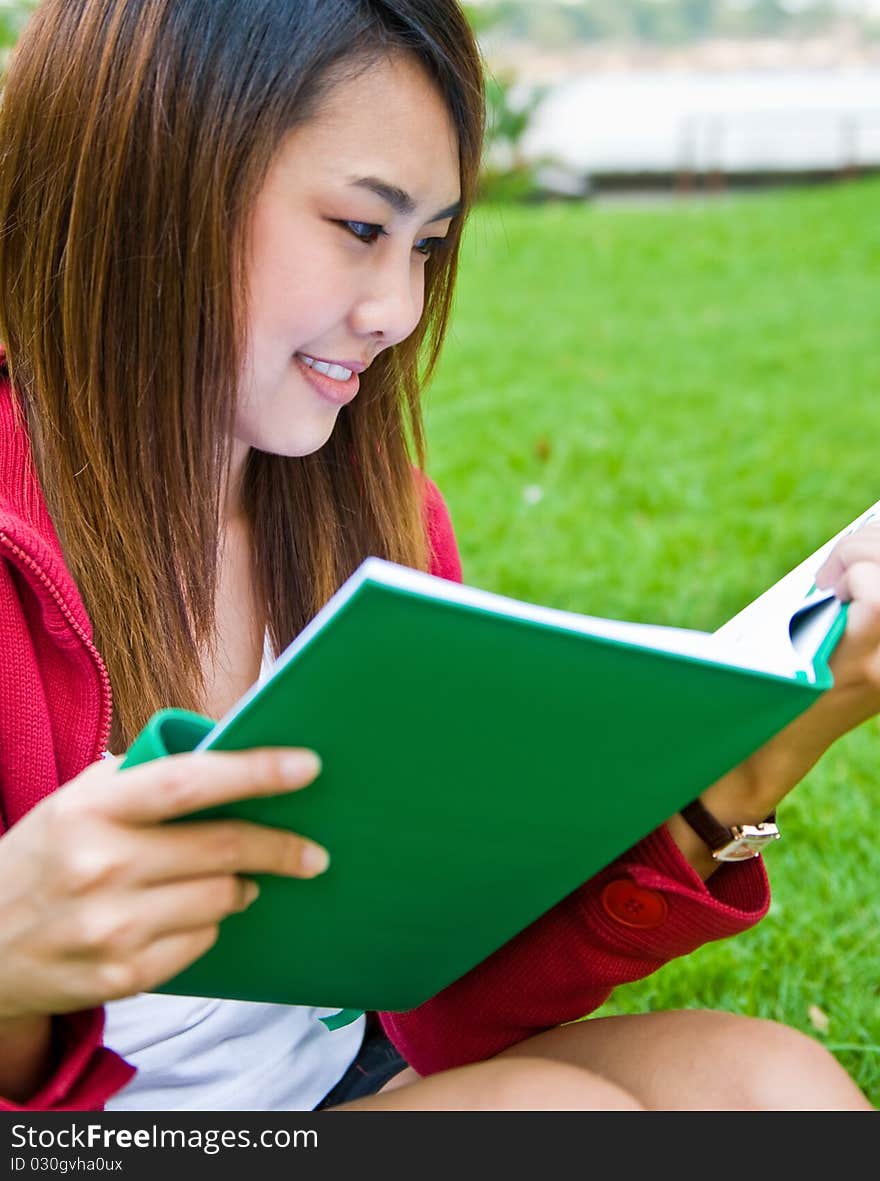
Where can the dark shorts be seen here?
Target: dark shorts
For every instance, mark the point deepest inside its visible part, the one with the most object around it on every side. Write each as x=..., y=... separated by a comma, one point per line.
x=377, y=1061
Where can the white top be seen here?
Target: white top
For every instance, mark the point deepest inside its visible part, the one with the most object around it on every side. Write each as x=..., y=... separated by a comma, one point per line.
x=201, y=1054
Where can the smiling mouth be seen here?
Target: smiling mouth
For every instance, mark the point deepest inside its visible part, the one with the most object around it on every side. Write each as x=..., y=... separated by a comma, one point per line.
x=328, y=368
x=334, y=383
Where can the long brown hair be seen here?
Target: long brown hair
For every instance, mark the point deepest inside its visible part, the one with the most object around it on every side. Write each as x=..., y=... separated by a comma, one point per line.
x=134, y=138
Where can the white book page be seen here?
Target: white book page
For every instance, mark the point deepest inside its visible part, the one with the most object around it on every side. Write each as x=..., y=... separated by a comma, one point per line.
x=761, y=626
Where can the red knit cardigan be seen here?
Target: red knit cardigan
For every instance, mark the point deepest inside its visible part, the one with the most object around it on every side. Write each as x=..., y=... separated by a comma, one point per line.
x=644, y=909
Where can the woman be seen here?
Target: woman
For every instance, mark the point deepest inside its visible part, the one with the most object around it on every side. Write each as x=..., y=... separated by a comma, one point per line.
x=230, y=232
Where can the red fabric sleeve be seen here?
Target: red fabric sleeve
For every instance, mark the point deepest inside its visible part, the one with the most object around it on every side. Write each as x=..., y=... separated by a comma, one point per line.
x=86, y=1074
x=567, y=963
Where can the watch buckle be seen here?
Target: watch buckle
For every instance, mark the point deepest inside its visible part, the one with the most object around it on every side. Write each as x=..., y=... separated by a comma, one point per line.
x=748, y=841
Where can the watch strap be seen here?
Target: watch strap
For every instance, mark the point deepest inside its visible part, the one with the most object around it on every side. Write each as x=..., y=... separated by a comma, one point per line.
x=729, y=844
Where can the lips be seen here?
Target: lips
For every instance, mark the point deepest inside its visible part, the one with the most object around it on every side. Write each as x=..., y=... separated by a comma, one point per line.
x=335, y=382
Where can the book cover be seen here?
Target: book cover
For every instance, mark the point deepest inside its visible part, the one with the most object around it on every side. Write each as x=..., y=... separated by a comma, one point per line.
x=482, y=758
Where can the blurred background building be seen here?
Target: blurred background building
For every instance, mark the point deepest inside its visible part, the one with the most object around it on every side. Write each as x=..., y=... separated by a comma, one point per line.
x=689, y=93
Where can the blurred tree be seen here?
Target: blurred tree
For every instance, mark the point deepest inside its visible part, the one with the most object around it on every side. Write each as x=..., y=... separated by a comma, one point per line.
x=483, y=16
x=558, y=23
x=509, y=109
x=13, y=15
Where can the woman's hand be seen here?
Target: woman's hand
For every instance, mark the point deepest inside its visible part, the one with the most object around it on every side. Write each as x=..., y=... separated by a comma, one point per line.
x=101, y=899
x=751, y=791
x=852, y=571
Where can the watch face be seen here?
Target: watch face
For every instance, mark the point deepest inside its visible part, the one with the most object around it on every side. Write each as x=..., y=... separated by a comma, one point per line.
x=748, y=842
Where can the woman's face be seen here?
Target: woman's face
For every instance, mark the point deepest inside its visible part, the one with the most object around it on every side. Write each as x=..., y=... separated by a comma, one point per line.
x=351, y=209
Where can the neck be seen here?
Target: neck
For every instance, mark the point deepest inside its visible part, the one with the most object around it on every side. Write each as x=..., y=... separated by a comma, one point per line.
x=231, y=501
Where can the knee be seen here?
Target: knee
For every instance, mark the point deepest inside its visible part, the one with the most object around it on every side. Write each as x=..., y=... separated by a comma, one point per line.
x=540, y=1084
x=776, y=1068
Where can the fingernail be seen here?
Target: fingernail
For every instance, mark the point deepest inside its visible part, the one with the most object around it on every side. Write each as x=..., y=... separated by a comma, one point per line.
x=251, y=893
x=314, y=859
x=300, y=764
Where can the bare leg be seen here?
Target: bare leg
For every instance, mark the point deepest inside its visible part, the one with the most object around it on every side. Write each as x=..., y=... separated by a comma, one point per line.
x=685, y=1060
x=519, y=1084
x=700, y=1060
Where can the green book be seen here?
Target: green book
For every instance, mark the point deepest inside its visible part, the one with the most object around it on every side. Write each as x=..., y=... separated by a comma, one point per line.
x=482, y=758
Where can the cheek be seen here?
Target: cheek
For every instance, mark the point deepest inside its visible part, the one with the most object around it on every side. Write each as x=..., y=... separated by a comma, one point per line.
x=420, y=283
x=292, y=282
x=421, y=307
x=293, y=303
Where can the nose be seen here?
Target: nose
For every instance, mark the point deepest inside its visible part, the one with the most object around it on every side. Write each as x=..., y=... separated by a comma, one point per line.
x=391, y=302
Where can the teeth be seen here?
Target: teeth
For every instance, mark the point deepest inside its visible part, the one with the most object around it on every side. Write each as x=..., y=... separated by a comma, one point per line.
x=337, y=372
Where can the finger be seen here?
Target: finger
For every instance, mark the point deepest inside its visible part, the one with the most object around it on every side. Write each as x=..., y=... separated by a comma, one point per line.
x=154, y=964
x=860, y=585
x=191, y=906
x=205, y=848
x=180, y=784
x=861, y=546
x=113, y=930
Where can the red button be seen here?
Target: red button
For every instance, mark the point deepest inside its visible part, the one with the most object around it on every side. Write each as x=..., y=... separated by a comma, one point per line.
x=634, y=906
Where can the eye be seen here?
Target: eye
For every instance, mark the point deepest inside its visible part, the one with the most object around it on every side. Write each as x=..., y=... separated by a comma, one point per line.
x=429, y=246
x=364, y=231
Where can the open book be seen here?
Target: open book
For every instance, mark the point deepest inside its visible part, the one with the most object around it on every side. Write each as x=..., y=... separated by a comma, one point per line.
x=482, y=757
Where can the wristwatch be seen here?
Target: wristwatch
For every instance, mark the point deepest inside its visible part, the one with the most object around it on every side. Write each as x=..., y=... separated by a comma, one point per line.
x=737, y=843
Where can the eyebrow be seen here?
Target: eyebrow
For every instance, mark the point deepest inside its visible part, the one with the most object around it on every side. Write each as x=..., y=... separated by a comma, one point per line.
x=400, y=200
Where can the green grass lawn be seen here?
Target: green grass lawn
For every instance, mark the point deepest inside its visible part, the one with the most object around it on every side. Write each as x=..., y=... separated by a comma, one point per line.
x=653, y=413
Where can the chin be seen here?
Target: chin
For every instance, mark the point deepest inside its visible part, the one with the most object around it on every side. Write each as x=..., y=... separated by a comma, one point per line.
x=296, y=443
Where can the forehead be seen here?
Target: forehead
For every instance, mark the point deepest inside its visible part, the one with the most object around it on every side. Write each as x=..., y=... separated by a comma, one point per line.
x=389, y=121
